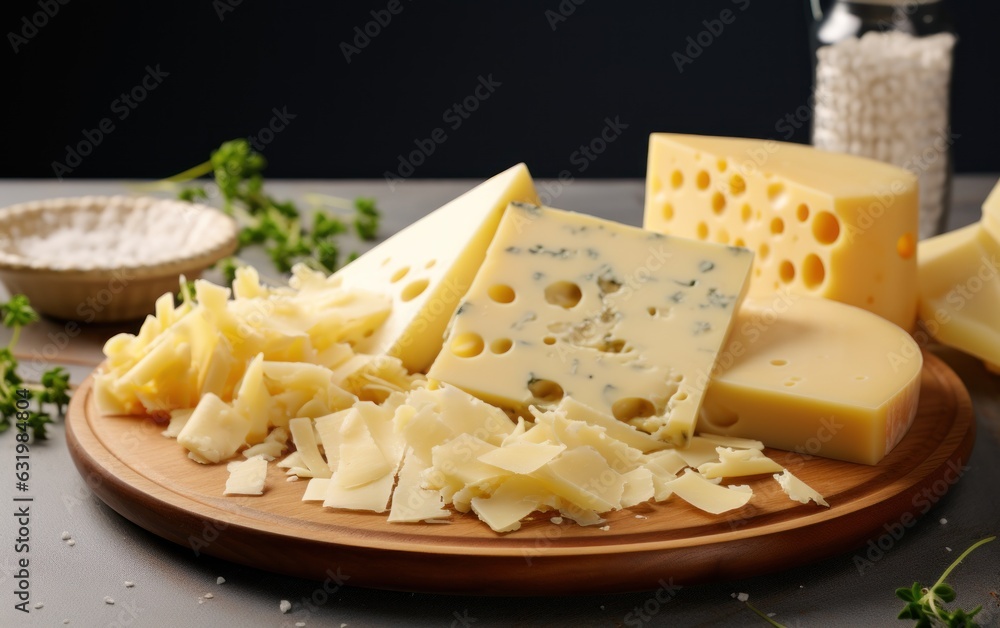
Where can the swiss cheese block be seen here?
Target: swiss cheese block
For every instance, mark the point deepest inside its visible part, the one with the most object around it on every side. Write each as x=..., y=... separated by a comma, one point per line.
x=960, y=290
x=427, y=267
x=620, y=319
x=824, y=224
x=816, y=377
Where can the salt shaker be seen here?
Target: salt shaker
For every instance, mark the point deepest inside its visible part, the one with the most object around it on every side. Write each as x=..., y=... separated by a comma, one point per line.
x=882, y=79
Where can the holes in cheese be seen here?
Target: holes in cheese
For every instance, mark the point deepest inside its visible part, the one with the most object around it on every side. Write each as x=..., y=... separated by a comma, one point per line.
x=632, y=408
x=826, y=228
x=502, y=293
x=414, y=289
x=545, y=391
x=399, y=274
x=737, y=186
x=589, y=333
x=857, y=216
x=703, y=180
x=467, y=345
x=565, y=294
x=501, y=345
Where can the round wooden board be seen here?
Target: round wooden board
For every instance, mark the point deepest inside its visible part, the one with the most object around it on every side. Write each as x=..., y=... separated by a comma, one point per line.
x=149, y=480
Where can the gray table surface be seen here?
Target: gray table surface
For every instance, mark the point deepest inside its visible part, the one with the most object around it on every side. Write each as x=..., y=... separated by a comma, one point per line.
x=71, y=582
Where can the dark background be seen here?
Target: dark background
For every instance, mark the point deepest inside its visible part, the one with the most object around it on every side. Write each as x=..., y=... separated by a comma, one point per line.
x=230, y=66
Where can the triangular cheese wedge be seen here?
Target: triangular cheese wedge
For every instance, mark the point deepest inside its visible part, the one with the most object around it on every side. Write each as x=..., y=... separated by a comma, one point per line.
x=428, y=267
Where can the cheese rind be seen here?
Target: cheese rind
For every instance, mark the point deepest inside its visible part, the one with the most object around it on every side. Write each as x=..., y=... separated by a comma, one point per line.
x=816, y=377
x=823, y=224
x=620, y=319
x=428, y=266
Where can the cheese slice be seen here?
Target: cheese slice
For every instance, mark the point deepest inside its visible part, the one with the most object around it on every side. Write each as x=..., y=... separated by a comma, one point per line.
x=738, y=462
x=960, y=287
x=247, y=477
x=707, y=496
x=798, y=490
x=410, y=501
x=816, y=377
x=824, y=224
x=621, y=319
x=428, y=267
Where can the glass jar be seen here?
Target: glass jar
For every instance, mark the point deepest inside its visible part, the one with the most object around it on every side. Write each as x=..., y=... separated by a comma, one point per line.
x=882, y=82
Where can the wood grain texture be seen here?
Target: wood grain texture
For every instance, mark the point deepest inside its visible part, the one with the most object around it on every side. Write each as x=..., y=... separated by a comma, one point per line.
x=149, y=480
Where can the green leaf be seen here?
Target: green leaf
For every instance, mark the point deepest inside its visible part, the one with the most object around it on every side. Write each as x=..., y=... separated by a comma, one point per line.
x=18, y=312
x=945, y=592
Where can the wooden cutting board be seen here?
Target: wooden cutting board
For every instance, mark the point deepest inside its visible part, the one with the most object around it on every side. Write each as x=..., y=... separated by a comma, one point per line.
x=149, y=480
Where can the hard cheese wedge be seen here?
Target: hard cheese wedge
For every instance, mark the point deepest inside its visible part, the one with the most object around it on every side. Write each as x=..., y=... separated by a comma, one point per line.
x=620, y=319
x=815, y=377
x=427, y=267
x=825, y=224
x=960, y=286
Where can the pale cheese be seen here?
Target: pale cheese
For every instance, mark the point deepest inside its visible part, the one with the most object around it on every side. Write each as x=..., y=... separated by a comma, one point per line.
x=621, y=319
x=707, y=496
x=798, y=490
x=428, y=266
x=247, y=477
x=960, y=285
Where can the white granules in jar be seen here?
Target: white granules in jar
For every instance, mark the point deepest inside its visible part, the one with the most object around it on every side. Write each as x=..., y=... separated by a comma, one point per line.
x=885, y=96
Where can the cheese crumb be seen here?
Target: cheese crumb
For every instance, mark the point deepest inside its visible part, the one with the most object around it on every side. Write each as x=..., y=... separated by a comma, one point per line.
x=108, y=599
x=66, y=536
x=292, y=478
x=71, y=542
x=640, y=517
x=743, y=597
x=300, y=623
x=129, y=584
x=947, y=548
x=285, y=606
x=556, y=520
x=943, y=521
x=220, y=580
x=605, y=528
x=39, y=605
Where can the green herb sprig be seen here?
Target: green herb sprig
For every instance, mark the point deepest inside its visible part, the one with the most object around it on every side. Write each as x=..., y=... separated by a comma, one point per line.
x=53, y=390
x=926, y=605
x=278, y=225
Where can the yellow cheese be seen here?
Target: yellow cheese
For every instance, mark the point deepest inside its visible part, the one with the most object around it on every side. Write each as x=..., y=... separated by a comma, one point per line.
x=816, y=377
x=428, y=266
x=960, y=286
x=305, y=443
x=620, y=319
x=824, y=224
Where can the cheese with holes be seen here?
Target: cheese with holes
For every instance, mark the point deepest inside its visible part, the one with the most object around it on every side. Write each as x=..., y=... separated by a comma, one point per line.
x=825, y=224
x=427, y=267
x=620, y=319
x=960, y=286
x=816, y=377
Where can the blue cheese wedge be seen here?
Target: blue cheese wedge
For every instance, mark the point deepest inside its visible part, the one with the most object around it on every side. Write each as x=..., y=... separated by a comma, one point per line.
x=624, y=321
